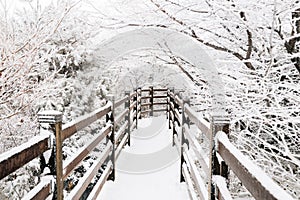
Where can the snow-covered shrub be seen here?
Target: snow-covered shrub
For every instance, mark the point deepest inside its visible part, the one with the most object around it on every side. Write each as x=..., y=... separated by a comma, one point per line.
x=42, y=50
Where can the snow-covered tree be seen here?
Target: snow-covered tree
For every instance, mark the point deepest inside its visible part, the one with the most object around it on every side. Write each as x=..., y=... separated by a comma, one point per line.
x=38, y=46
x=42, y=53
x=256, y=46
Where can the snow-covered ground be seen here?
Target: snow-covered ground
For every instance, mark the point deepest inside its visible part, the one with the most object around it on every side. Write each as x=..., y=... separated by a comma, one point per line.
x=149, y=168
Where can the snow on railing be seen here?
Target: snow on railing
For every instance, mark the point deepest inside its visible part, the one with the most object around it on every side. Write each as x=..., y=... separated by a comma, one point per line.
x=15, y=158
x=70, y=128
x=255, y=180
x=222, y=156
x=19, y=156
x=209, y=183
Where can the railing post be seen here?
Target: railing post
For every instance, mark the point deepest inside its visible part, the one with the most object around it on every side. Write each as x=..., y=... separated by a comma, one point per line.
x=176, y=106
x=168, y=107
x=54, y=119
x=111, y=118
x=127, y=118
x=171, y=100
x=183, y=140
x=139, y=102
x=151, y=100
x=218, y=123
x=136, y=107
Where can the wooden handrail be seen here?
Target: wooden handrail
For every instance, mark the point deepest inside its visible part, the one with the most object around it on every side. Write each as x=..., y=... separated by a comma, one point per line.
x=82, y=122
x=41, y=191
x=16, y=157
x=195, y=175
x=255, y=180
x=197, y=149
x=83, y=152
x=99, y=185
x=201, y=123
x=121, y=131
x=89, y=175
x=222, y=187
x=121, y=102
x=160, y=89
x=121, y=116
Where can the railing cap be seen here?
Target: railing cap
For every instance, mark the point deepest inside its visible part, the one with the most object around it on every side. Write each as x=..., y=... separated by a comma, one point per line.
x=220, y=119
x=50, y=116
x=110, y=97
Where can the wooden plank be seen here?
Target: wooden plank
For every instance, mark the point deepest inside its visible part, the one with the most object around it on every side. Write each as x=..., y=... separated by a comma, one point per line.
x=146, y=104
x=189, y=182
x=139, y=115
x=160, y=103
x=160, y=110
x=41, y=191
x=223, y=192
x=177, y=144
x=89, y=175
x=121, y=116
x=82, y=122
x=83, y=152
x=145, y=111
x=197, y=150
x=132, y=94
x=121, y=132
x=160, y=97
x=16, y=157
x=145, y=97
x=99, y=185
x=178, y=116
x=133, y=125
x=121, y=145
x=201, y=123
x=133, y=104
x=171, y=95
x=160, y=89
x=171, y=116
x=132, y=116
x=121, y=101
x=172, y=106
x=179, y=101
x=252, y=177
x=195, y=175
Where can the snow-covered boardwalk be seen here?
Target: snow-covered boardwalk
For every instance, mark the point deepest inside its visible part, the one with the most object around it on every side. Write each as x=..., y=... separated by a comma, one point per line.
x=149, y=168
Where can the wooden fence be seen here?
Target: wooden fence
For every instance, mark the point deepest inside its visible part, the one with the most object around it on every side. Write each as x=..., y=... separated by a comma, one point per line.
x=116, y=131
x=120, y=121
x=222, y=157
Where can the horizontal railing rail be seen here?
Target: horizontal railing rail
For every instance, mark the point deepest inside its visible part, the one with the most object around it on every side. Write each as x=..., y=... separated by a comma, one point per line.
x=17, y=157
x=82, y=122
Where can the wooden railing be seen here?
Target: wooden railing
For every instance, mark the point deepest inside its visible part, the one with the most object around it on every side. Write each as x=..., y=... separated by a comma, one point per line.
x=222, y=156
x=116, y=132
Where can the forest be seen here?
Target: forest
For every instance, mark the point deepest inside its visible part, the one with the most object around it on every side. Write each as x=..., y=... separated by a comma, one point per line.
x=50, y=58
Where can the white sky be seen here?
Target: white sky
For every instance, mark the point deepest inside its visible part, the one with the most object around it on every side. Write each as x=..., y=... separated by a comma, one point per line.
x=13, y=5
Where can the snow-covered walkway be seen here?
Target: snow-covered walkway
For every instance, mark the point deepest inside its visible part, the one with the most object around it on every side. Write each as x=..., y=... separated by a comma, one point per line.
x=149, y=168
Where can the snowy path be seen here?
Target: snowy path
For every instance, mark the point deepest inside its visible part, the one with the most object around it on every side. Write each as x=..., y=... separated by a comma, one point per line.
x=149, y=169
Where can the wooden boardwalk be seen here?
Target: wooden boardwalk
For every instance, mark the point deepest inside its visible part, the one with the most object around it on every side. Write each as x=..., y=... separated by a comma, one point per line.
x=149, y=168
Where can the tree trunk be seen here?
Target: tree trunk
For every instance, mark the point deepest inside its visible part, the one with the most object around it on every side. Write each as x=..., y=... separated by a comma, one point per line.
x=291, y=46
